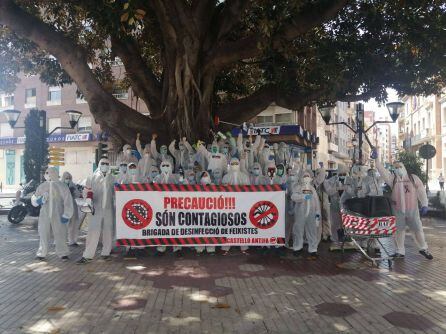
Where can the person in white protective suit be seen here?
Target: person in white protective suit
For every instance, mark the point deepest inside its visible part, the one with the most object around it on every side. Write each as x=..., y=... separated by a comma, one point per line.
x=307, y=216
x=248, y=148
x=283, y=154
x=167, y=177
x=334, y=187
x=318, y=183
x=190, y=177
x=56, y=203
x=181, y=155
x=272, y=176
x=132, y=175
x=371, y=184
x=216, y=160
x=162, y=155
x=266, y=156
x=256, y=176
x=292, y=180
x=99, y=189
x=151, y=176
x=126, y=156
x=235, y=177
x=146, y=160
x=74, y=224
x=407, y=192
x=122, y=173
x=205, y=179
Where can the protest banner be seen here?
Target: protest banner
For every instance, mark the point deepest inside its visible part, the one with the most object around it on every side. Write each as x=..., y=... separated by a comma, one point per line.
x=189, y=215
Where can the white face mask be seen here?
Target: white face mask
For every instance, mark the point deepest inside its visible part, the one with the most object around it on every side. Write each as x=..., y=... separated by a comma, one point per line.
x=400, y=172
x=154, y=173
x=235, y=167
x=104, y=168
x=123, y=169
x=306, y=180
x=132, y=171
x=191, y=178
x=67, y=181
x=256, y=171
x=165, y=169
x=205, y=180
x=47, y=177
x=293, y=177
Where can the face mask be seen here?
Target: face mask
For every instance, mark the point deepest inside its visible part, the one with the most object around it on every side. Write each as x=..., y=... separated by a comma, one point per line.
x=371, y=174
x=123, y=169
x=214, y=149
x=191, y=178
x=163, y=150
x=132, y=171
x=67, y=181
x=256, y=171
x=46, y=176
x=128, y=152
x=205, y=180
x=293, y=177
x=306, y=180
x=104, y=168
x=280, y=172
x=399, y=172
x=154, y=173
x=225, y=150
x=165, y=169
x=235, y=167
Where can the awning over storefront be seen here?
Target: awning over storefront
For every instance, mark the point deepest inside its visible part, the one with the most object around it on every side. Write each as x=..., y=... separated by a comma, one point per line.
x=71, y=137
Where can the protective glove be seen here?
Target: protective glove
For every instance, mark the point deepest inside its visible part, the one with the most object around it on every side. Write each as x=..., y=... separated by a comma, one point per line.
x=115, y=184
x=307, y=197
x=283, y=186
x=64, y=220
x=40, y=200
x=423, y=211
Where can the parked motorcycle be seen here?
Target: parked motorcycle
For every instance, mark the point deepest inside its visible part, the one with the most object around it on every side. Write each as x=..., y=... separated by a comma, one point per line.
x=22, y=205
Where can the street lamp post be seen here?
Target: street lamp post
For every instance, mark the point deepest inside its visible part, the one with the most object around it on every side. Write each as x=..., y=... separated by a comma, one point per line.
x=394, y=109
x=12, y=117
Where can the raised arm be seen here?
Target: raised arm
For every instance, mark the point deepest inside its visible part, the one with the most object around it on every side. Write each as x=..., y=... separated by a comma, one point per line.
x=172, y=148
x=138, y=145
x=155, y=153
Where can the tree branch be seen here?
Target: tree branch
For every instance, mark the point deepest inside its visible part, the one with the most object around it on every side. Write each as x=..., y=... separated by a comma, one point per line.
x=247, y=47
x=144, y=83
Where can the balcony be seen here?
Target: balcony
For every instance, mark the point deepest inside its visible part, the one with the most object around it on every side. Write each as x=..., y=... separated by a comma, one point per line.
x=332, y=147
x=422, y=137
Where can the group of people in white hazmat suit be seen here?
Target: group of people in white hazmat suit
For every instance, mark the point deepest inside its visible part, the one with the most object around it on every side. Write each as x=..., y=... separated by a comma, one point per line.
x=313, y=201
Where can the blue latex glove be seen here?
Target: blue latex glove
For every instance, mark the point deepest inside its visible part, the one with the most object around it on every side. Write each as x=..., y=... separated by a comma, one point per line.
x=283, y=186
x=39, y=200
x=115, y=184
x=64, y=220
x=423, y=210
x=307, y=197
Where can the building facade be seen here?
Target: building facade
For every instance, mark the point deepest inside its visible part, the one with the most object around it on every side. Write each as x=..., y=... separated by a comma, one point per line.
x=79, y=143
x=423, y=122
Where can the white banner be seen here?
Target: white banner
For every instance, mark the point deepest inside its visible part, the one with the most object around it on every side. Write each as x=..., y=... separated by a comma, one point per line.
x=218, y=216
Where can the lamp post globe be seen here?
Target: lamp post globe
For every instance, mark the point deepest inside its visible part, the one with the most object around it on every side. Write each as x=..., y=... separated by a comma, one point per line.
x=73, y=117
x=395, y=109
x=326, y=112
x=12, y=116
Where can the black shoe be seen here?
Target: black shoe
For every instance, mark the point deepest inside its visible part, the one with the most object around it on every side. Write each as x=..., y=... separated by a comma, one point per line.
x=106, y=257
x=426, y=254
x=64, y=258
x=298, y=253
x=83, y=261
x=158, y=253
x=40, y=258
x=377, y=250
x=328, y=240
x=398, y=256
x=74, y=244
x=179, y=253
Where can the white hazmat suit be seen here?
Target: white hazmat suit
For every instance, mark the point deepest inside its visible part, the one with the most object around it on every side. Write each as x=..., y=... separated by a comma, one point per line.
x=56, y=210
x=74, y=224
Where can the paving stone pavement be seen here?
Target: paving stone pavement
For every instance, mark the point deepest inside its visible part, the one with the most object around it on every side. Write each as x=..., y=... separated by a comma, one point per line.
x=258, y=293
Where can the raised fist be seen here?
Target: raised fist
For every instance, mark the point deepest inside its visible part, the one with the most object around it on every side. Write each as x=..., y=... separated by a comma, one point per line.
x=154, y=136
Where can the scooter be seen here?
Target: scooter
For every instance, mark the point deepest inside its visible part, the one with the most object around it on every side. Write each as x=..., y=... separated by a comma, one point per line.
x=22, y=205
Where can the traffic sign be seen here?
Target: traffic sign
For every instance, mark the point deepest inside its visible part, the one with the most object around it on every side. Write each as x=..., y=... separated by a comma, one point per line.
x=427, y=151
x=56, y=156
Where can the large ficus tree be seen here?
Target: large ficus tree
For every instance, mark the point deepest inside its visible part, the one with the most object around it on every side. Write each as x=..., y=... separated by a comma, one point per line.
x=191, y=60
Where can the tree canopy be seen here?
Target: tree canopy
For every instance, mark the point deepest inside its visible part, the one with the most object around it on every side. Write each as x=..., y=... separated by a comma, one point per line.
x=191, y=60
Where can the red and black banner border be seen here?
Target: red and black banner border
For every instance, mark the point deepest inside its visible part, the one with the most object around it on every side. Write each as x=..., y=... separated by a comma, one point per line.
x=195, y=187
x=181, y=241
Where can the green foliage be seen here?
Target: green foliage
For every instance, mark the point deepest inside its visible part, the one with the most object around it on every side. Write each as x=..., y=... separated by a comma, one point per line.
x=413, y=164
x=36, y=147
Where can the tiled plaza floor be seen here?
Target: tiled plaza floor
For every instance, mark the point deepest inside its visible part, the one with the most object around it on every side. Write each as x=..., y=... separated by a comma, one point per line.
x=215, y=294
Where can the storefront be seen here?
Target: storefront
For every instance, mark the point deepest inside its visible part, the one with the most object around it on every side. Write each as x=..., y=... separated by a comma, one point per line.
x=79, y=157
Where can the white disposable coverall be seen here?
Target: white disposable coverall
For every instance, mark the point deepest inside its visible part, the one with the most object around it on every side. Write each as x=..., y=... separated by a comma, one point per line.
x=73, y=225
x=102, y=221
x=235, y=177
x=305, y=212
x=405, y=198
x=146, y=160
x=58, y=203
x=181, y=155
